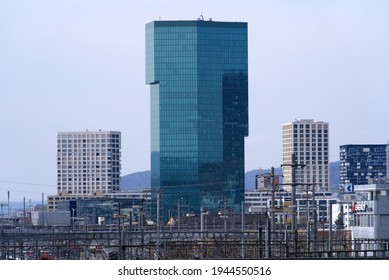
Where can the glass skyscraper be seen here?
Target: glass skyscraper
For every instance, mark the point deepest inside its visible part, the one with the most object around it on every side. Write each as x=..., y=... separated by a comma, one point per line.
x=198, y=77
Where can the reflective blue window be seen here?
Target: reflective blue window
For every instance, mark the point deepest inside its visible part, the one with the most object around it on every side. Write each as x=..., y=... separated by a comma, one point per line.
x=198, y=77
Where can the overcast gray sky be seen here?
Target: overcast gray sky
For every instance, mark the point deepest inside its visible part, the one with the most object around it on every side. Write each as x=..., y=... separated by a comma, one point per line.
x=76, y=65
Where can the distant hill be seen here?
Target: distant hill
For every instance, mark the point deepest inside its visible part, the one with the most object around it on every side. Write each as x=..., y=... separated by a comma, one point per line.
x=135, y=181
x=141, y=180
x=334, y=176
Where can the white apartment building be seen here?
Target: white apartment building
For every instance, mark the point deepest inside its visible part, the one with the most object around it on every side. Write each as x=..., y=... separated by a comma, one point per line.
x=88, y=162
x=309, y=141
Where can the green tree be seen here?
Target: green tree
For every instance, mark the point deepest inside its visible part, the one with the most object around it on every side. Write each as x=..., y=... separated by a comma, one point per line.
x=339, y=223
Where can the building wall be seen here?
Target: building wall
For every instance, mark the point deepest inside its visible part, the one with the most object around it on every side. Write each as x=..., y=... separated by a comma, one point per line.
x=198, y=77
x=371, y=215
x=359, y=163
x=323, y=202
x=88, y=162
x=60, y=218
x=260, y=201
x=309, y=141
x=257, y=200
x=91, y=211
x=53, y=200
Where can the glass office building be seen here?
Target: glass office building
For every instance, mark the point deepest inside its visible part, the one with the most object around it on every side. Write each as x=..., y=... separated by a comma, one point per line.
x=359, y=163
x=198, y=77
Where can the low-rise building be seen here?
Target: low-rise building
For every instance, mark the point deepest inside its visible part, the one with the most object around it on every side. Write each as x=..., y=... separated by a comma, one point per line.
x=261, y=201
x=371, y=211
x=371, y=217
x=59, y=218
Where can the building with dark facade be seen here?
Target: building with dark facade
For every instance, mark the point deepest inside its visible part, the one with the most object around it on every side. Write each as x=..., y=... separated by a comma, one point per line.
x=107, y=209
x=358, y=163
x=198, y=77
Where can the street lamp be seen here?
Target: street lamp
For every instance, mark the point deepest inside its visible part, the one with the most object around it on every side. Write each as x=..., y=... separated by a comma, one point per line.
x=223, y=215
x=178, y=213
x=72, y=218
x=243, y=208
x=171, y=220
x=202, y=213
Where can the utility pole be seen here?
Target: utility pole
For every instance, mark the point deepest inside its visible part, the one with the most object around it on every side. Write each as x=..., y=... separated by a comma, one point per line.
x=294, y=203
x=2, y=217
x=3, y=249
x=268, y=238
x=308, y=233
x=24, y=212
x=43, y=213
x=308, y=226
x=178, y=215
x=330, y=231
x=201, y=223
x=273, y=190
x=130, y=237
x=158, y=218
x=314, y=213
x=9, y=214
x=243, y=221
x=293, y=185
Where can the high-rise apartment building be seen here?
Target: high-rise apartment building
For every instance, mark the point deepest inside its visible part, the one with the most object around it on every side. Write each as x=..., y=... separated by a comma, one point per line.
x=309, y=142
x=359, y=163
x=198, y=77
x=88, y=162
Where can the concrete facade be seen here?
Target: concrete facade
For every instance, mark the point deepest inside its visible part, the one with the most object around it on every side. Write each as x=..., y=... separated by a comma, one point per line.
x=309, y=141
x=59, y=218
x=88, y=162
x=371, y=212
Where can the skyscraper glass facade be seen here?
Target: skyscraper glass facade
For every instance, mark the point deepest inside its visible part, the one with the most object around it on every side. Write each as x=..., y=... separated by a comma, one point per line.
x=198, y=77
